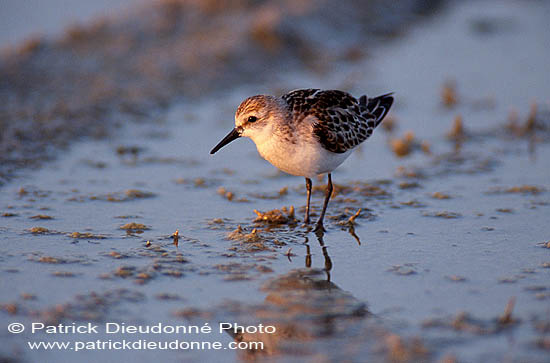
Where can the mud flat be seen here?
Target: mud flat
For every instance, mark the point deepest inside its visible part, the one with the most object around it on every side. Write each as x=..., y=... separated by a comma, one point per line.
x=131, y=67
x=437, y=246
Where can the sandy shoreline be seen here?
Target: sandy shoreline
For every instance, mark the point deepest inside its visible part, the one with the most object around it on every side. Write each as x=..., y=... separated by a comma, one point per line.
x=110, y=71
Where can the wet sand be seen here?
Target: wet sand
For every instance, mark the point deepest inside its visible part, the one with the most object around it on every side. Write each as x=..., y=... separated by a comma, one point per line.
x=437, y=241
x=35, y=18
x=132, y=65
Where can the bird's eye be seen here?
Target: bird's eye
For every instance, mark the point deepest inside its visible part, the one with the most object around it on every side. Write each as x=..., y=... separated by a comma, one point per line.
x=252, y=119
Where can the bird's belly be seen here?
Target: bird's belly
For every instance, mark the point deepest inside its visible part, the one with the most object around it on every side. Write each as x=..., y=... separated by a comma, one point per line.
x=306, y=160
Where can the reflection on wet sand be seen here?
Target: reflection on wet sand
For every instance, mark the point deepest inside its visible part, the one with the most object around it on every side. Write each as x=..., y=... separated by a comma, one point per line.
x=328, y=261
x=351, y=231
x=304, y=305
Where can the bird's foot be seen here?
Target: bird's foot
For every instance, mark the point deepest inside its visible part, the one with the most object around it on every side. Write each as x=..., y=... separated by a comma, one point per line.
x=319, y=228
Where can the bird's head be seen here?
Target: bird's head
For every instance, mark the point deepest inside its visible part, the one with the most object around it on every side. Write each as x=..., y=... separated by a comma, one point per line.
x=255, y=118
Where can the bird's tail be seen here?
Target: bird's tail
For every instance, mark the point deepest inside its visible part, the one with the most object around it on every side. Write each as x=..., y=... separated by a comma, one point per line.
x=377, y=106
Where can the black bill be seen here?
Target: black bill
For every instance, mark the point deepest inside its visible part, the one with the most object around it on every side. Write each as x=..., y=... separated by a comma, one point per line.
x=234, y=134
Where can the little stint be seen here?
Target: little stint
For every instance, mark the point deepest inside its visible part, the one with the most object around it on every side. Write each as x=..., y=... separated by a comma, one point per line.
x=308, y=132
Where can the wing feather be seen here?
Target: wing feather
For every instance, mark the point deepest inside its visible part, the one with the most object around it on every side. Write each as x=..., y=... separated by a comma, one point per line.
x=342, y=121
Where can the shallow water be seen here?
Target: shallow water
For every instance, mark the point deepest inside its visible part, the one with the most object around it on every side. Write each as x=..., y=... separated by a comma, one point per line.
x=420, y=259
x=21, y=20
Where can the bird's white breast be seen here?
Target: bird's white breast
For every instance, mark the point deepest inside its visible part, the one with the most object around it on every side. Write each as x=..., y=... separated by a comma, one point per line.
x=304, y=158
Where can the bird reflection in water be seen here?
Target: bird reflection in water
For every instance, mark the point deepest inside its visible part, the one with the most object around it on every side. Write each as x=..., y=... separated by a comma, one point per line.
x=306, y=308
x=328, y=261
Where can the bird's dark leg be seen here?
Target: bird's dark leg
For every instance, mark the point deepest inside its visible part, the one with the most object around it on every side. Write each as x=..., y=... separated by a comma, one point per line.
x=319, y=226
x=308, y=188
